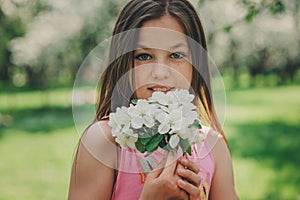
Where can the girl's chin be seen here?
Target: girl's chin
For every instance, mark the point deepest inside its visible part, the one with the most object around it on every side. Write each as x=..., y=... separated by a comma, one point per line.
x=143, y=95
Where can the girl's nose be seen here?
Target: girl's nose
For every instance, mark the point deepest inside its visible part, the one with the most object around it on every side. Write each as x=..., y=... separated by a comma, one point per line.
x=160, y=71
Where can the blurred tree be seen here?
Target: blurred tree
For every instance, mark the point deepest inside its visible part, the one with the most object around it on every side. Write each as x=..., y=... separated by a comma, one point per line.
x=14, y=18
x=234, y=62
x=257, y=64
x=256, y=34
x=10, y=27
x=60, y=38
x=97, y=27
x=60, y=34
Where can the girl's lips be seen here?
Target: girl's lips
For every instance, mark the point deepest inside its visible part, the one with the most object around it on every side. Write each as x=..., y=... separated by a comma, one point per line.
x=160, y=88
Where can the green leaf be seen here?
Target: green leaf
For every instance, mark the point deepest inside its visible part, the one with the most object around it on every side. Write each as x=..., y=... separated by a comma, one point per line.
x=251, y=13
x=227, y=28
x=197, y=124
x=134, y=101
x=145, y=139
x=162, y=144
x=277, y=7
x=189, y=150
x=153, y=144
x=140, y=146
x=184, y=144
x=167, y=147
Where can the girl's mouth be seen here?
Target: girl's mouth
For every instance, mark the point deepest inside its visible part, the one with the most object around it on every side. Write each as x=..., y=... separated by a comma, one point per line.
x=160, y=88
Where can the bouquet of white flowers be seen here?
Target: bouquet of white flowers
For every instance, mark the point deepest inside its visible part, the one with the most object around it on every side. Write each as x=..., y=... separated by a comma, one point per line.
x=166, y=120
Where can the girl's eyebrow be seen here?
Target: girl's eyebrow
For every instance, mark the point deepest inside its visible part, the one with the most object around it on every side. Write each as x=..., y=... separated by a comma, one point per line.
x=141, y=46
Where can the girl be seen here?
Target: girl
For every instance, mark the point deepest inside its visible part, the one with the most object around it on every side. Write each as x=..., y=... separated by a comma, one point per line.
x=160, y=55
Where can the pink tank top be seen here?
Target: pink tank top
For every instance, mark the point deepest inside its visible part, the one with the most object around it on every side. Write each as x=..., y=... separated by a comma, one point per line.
x=134, y=167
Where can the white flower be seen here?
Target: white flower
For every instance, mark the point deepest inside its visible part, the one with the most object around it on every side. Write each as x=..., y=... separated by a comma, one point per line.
x=188, y=116
x=172, y=97
x=127, y=139
x=119, y=120
x=170, y=114
x=163, y=98
x=183, y=96
x=169, y=121
x=174, y=141
x=121, y=117
x=141, y=114
x=189, y=133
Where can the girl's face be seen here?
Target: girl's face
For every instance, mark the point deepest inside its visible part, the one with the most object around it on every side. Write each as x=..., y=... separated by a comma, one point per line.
x=162, y=60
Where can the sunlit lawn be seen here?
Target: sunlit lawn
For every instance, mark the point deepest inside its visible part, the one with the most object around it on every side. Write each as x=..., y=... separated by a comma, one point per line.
x=262, y=125
x=37, y=147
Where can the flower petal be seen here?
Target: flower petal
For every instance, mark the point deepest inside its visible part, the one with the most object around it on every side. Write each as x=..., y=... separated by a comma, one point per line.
x=137, y=122
x=163, y=128
x=174, y=140
x=161, y=117
x=148, y=121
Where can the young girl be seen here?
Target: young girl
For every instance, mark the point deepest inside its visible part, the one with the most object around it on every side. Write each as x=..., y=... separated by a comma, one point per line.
x=160, y=55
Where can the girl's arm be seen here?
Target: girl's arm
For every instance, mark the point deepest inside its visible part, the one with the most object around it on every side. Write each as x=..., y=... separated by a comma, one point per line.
x=93, y=174
x=223, y=182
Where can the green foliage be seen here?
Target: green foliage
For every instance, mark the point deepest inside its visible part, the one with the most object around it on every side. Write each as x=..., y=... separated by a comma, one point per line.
x=197, y=124
x=153, y=144
x=227, y=28
x=134, y=101
x=11, y=27
x=59, y=62
x=253, y=9
x=185, y=146
x=251, y=13
x=140, y=146
x=276, y=7
x=149, y=140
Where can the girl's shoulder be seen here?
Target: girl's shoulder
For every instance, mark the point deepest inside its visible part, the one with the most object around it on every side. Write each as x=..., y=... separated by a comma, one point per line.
x=99, y=142
x=211, y=136
x=98, y=129
x=223, y=167
x=94, y=164
x=215, y=142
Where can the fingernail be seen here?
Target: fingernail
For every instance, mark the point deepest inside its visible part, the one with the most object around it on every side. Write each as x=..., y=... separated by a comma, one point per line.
x=181, y=171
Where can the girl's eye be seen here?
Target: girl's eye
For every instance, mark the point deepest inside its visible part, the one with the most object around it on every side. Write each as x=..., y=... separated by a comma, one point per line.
x=177, y=55
x=143, y=57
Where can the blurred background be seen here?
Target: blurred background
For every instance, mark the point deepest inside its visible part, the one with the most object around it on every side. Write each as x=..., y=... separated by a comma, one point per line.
x=254, y=43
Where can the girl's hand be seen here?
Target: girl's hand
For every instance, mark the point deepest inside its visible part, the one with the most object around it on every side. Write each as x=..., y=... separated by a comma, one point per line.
x=190, y=180
x=161, y=183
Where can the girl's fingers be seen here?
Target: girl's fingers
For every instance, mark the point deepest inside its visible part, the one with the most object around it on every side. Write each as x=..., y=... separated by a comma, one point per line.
x=188, y=175
x=189, y=164
x=170, y=164
x=192, y=190
x=158, y=169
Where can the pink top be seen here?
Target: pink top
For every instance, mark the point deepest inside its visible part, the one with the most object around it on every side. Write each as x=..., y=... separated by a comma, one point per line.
x=134, y=167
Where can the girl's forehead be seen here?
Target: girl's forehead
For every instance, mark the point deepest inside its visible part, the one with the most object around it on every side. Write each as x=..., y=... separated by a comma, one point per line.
x=164, y=32
x=161, y=38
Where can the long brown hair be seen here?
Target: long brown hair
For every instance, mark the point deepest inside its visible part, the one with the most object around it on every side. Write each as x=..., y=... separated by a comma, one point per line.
x=113, y=94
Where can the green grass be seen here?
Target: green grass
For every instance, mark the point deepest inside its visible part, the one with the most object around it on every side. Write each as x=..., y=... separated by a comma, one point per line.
x=37, y=144
x=263, y=128
x=34, y=99
x=36, y=166
x=38, y=141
